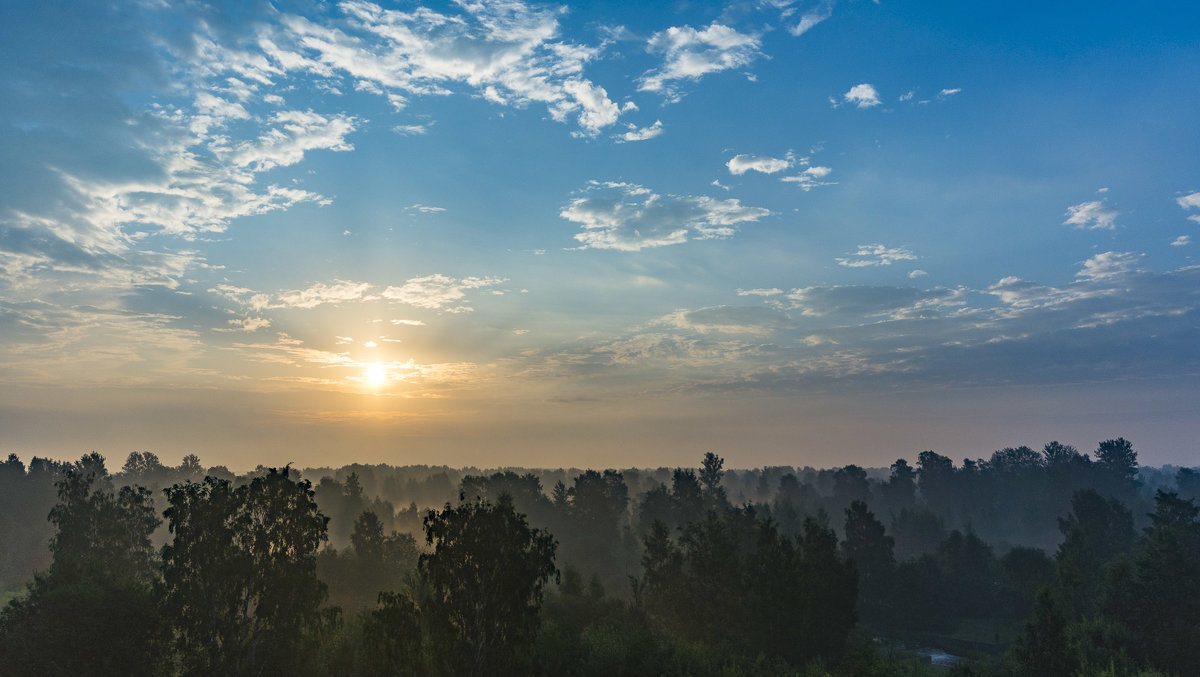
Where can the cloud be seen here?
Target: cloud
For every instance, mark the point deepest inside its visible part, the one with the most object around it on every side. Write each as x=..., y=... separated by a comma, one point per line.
x=439, y=292
x=1109, y=265
x=740, y=164
x=876, y=255
x=642, y=134
x=426, y=209
x=1181, y=241
x=947, y=93
x=917, y=273
x=410, y=130
x=289, y=136
x=689, y=54
x=629, y=217
x=1092, y=215
x=866, y=301
x=810, y=178
x=862, y=96
x=1190, y=201
x=729, y=319
x=508, y=53
x=811, y=18
x=320, y=294
x=773, y=291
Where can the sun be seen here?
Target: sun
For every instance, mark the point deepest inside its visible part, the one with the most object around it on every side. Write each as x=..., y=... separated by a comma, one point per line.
x=376, y=375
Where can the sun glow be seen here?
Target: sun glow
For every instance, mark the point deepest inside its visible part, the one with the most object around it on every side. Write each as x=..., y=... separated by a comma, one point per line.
x=376, y=375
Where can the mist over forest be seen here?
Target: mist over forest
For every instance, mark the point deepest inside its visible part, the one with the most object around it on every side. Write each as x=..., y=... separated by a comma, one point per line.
x=1030, y=562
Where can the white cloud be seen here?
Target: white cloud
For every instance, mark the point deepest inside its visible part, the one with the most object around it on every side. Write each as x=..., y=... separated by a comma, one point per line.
x=410, y=130
x=863, y=96
x=408, y=323
x=740, y=164
x=908, y=96
x=1109, y=265
x=642, y=134
x=629, y=217
x=1190, y=201
x=810, y=178
x=947, y=93
x=811, y=18
x=1092, y=215
x=876, y=255
x=773, y=291
x=917, y=273
x=426, y=209
x=689, y=54
x=439, y=292
x=508, y=53
x=1181, y=241
x=320, y=293
x=290, y=135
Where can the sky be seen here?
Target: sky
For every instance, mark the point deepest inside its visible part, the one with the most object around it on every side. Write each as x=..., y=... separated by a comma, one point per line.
x=603, y=234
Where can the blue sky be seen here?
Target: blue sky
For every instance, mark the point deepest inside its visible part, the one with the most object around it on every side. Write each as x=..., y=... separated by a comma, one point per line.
x=598, y=234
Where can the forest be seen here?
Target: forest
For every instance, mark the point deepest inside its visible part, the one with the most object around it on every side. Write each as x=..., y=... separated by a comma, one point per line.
x=1048, y=563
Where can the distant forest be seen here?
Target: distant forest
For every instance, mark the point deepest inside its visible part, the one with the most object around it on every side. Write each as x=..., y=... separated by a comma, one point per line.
x=1049, y=563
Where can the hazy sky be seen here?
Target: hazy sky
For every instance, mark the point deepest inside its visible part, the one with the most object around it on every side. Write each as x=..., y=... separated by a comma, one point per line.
x=603, y=234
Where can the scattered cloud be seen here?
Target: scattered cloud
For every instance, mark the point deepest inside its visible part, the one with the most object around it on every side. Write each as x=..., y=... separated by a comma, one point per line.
x=426, y=209
x=439, y=292
x=1092, y=215
x=863, y=96
x=509, y=53
x=629, y=217
x=740, y=164
x=916, y=273
x=1190, y=201
x=729, y=319
x=810, y=178
x=1109, y=265
x=876, y=255
x=689, y=54
x=1181, y=241
x=811, y=18
x=947, y=93
x=641, y=134
x=867, y=301
x=410, y=130
x=319, y=293
x=773, y=291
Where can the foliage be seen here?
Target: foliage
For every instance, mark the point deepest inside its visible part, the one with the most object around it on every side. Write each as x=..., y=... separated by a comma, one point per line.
x=240, y=575
x=486, y=577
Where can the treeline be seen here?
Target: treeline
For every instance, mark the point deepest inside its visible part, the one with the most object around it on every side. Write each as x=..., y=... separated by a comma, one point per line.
x=1048, y=563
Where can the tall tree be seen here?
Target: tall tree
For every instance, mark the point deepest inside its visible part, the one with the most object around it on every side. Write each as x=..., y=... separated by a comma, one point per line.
x=240, y=574
x=486, y=577
x=95, y=611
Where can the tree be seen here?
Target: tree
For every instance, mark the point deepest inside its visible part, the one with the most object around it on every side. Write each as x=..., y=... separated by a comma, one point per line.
x=1117, y=462
x=1165, y=594
x=1097, y=530
x=1042, y=649
x=95, y=611
x=870, y=548
x=240, y=574
x=711, y=472
x=486, y=577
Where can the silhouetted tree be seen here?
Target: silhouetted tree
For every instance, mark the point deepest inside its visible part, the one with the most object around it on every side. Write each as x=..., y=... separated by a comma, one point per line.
x=95, y=611
x=240, y=575
x=486, y=576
